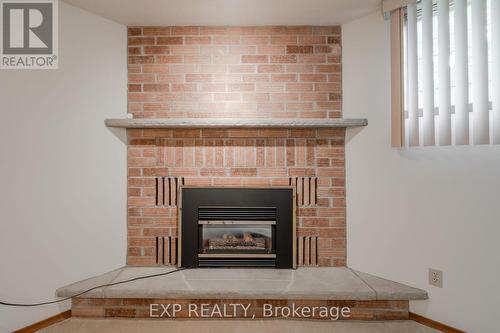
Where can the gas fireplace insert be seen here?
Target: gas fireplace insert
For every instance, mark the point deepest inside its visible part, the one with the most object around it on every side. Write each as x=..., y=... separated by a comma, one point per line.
x=224, y=227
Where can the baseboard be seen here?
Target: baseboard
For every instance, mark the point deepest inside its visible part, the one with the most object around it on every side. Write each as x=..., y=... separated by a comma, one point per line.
x=45, y=323
x=433, y=324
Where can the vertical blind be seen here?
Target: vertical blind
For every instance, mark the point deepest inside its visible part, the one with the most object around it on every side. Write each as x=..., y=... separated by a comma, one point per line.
x=452, y=70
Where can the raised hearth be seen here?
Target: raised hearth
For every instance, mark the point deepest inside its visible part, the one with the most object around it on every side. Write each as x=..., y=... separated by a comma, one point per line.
x=369, y=297
x=326, y=283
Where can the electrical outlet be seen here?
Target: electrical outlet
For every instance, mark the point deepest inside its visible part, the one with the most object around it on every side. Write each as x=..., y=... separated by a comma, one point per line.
x=436, y=278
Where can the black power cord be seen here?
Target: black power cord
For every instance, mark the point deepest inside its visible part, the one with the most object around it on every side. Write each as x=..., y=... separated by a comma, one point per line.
x=93, y=288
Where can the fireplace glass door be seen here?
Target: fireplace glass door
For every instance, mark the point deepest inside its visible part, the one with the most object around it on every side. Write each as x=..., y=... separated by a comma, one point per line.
x=236, y=233
x=236, y=238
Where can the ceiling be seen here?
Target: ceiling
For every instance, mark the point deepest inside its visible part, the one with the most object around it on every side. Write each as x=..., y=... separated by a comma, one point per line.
x=229, y=12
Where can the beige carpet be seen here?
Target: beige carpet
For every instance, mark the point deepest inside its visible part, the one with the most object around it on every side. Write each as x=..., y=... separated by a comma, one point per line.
x=80, y=325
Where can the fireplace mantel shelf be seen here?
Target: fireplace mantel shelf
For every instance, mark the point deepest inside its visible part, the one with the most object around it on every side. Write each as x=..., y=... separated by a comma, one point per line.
x=235, y=123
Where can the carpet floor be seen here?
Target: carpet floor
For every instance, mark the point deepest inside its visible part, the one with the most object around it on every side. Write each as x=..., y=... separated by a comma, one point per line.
x=81, y=325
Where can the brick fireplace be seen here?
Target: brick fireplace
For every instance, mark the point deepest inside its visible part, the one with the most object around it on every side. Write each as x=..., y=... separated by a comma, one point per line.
x=236, y=158
x=291, y=72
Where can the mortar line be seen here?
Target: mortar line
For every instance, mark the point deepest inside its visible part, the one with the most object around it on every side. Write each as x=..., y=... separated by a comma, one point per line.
x=359, y=277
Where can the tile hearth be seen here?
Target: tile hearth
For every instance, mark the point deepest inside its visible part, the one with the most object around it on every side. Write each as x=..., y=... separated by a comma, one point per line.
x=329, y=283
x=368, y=297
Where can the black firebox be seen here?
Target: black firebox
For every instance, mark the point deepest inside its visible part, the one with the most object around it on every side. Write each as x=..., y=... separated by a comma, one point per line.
x=239, y=227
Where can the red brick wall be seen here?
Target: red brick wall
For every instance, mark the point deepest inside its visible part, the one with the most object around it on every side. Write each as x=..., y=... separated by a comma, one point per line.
x=282, y=72
x=252, y=72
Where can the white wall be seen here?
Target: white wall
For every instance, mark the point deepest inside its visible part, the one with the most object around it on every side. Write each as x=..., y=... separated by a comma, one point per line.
x=62, y=172
x=411, y=209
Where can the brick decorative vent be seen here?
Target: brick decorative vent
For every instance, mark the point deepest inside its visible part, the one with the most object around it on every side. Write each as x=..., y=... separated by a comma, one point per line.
x=307, y=251
x=306, y=189
x=166, y=250
x=167, y=189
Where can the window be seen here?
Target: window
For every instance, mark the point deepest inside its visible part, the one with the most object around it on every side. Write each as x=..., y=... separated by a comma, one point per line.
x=448, y=69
